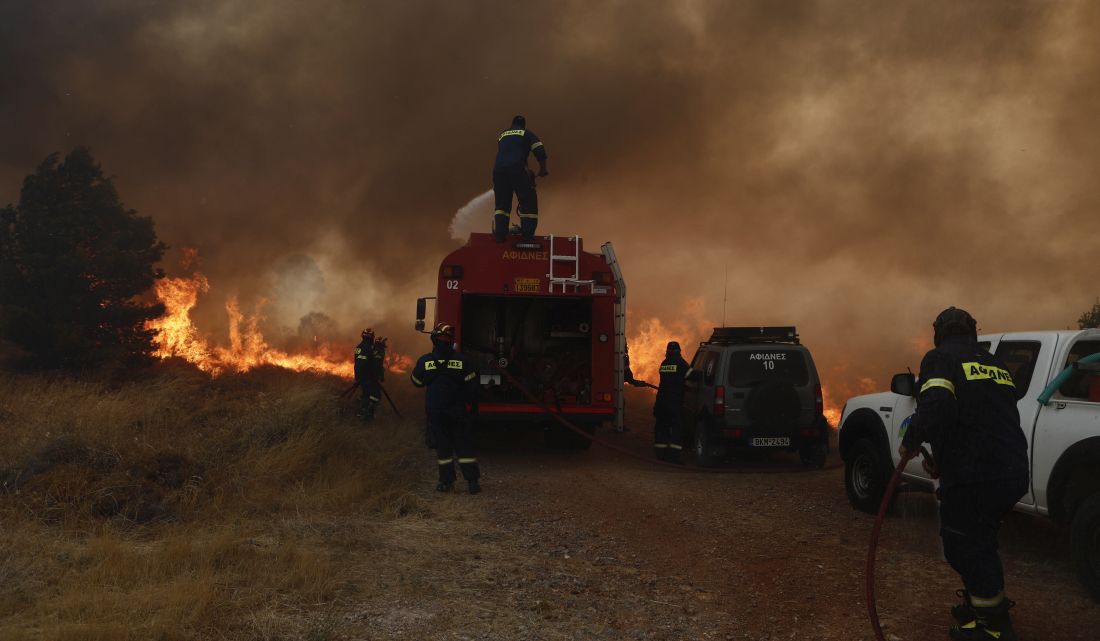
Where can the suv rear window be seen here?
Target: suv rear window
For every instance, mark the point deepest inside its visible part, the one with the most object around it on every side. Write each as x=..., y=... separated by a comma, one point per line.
x=750, y=368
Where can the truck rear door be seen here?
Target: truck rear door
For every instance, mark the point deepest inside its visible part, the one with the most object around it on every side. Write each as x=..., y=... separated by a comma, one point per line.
x=1067, y=419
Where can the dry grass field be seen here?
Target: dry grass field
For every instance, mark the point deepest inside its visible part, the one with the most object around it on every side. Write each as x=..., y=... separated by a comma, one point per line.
x=186, y=508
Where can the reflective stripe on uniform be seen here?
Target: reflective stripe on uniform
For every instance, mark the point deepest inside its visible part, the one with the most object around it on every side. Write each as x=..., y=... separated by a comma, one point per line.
x=416, y=380
x=536, y=145
x=938, y=382
x=455, y=364
x=466, y=461
x=471, y=376
x=445, y=461
x=375, y=399
x=991, y=602
x=361, y=358
x=533, y=214
x=675, y=446
x=511, y=132
x=500, y=212
x=688, y=373
x=979, y=372
x=660, y=445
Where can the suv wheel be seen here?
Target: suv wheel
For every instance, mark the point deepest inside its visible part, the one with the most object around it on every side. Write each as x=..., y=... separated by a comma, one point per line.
x=865, y=476
x=1085, y=541
x=702, y=447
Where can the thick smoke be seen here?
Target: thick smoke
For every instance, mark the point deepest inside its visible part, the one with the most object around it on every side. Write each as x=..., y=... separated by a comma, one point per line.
x=858, y=166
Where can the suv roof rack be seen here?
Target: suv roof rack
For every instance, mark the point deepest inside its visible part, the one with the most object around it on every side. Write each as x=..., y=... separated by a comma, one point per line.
x=755, y=335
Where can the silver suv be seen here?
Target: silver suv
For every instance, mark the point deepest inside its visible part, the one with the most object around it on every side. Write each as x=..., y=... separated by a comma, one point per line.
x=754, y=388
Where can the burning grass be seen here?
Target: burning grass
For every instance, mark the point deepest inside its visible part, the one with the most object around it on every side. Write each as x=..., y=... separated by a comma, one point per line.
x=185, y=507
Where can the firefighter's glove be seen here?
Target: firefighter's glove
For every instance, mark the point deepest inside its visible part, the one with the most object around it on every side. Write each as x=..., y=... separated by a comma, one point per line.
x=929, y=463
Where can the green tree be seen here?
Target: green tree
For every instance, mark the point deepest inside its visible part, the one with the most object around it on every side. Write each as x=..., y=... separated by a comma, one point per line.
x=74, y=265
x=1090, y=318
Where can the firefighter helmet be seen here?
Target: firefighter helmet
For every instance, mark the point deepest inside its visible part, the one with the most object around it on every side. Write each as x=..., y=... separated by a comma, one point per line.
x=368, y=334
x=444, y=332
x=673, y=346
x=954, y=322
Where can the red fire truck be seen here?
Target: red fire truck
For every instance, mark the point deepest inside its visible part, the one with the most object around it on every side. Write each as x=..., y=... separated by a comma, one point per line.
x=549, y=314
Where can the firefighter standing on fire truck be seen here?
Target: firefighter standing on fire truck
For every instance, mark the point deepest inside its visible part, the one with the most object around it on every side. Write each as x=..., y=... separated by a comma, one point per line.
x=370, y=354
x=451, y=402
x=511, y=175
x=966, y=409
x=668, y=430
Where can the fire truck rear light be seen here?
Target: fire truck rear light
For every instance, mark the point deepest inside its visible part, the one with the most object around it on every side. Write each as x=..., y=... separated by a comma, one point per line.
x=452, y=271
x=733, y=433
x=606, y=396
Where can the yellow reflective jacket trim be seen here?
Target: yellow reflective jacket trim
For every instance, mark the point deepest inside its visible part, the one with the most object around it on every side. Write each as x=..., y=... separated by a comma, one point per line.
x=938, y=382
x=512, y=132
x=536, y=145
x=445, y=461
x=979, y=372
x=358, y=350
x=471, y=376
x=665, y=369
x=455, y=364
x=533, y=214
x=466, y=461
x=416, y=381
x=500, y=212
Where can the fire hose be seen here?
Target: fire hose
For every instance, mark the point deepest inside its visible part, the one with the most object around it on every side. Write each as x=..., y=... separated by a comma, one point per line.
x=393, y=405
x=887, y=497
x=622, y=450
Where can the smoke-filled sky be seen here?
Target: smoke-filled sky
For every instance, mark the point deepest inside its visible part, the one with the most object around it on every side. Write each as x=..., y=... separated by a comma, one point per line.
x=855, y=166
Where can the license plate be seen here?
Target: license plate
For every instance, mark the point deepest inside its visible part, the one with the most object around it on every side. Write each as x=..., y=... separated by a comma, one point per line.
x=782, y=441
x=527, y=285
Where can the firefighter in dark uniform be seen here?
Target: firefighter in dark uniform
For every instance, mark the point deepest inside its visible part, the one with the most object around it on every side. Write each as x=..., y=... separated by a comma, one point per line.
x=370, y=354
x=451, y=402
x=668, y=432
x=966, y=409
x=510, y=175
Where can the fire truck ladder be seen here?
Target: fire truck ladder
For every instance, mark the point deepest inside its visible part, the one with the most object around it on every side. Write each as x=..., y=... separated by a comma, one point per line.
x=620, y=330
x=566, y=281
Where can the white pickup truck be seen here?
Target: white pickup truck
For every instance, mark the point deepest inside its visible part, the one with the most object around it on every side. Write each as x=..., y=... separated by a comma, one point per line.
x=1063, y=435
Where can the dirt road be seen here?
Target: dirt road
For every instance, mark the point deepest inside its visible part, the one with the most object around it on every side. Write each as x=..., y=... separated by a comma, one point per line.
x=622, y=550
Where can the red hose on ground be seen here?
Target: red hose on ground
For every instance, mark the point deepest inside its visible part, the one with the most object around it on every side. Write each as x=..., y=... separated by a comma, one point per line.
x=887, y=496
x=622, y=450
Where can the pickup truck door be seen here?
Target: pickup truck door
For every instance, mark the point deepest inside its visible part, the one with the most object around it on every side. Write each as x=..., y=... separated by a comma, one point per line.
x=1028, y=358
x=1069, y=418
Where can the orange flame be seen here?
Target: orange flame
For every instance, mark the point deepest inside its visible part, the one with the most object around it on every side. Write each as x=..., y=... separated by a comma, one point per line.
x=177, y=336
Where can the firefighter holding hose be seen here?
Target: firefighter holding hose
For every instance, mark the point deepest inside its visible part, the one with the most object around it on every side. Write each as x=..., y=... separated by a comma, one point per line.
x=370, y=355
x=966, y=409
x=668, y=434
x=451, y=401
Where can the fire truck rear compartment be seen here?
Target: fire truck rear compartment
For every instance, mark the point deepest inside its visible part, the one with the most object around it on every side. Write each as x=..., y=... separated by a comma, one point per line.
x=545, y=343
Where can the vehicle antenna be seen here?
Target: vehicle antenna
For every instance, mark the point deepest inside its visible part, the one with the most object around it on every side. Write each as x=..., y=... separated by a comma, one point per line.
x=725, y=290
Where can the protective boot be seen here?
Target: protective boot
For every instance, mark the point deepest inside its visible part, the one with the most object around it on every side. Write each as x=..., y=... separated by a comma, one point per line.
x=987, y=624
x=444, y=487
x=963, y=612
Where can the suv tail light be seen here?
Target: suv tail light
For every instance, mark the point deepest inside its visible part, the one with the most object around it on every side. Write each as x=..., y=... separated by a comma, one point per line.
x=819, y=401
x=719, y=401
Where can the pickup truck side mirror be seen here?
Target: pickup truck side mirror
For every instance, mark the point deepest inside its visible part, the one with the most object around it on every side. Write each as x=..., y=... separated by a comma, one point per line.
x=904, y=384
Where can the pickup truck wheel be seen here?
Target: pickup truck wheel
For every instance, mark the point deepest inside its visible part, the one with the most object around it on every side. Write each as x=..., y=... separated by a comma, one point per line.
x=1085, y=541
x=702, y=447
x=865, y=476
